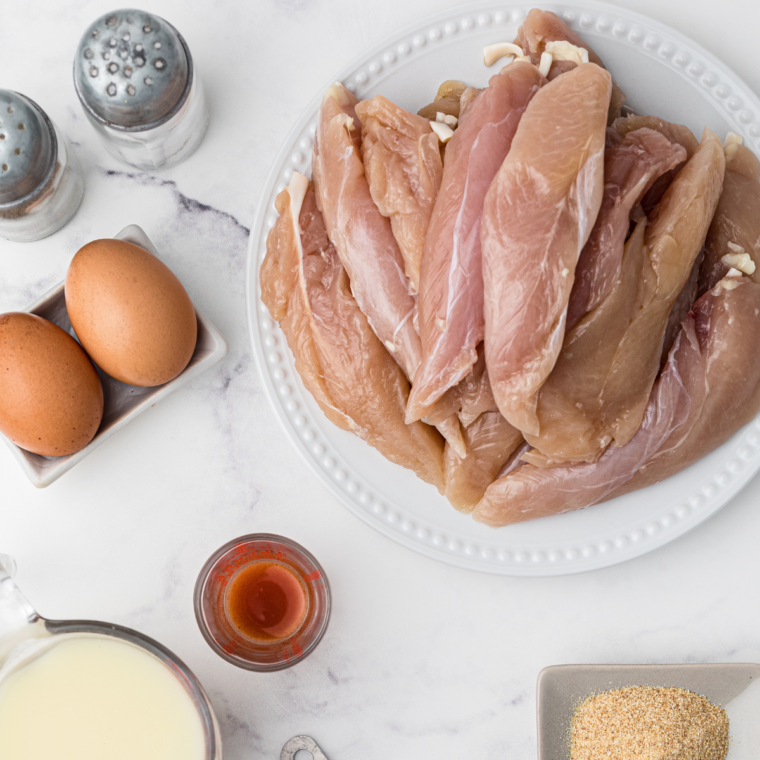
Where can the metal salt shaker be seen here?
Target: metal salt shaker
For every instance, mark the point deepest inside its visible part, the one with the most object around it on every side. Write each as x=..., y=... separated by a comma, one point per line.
x=41, y=183
x=135, y=78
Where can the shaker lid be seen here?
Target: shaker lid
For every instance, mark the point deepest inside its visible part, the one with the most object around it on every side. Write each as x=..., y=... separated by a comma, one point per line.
x=28, y=148
x=132, y=70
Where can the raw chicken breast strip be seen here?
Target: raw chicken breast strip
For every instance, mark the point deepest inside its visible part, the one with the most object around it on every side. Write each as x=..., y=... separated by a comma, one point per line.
x=541, y=27
x=736, y=220
x=450, y=304
x=538, y=214
x=571, y=403
x=681, y=308
x=578, y=409
x=491, y=440
x=344, y=366
x=727, y=327
x=402, y=161
x=676, y=133
x=673, y=240
x=695, y=406
x=741, y=160
x=471, y=397
x=363, y=237
x=447, y=100
x=630, y=169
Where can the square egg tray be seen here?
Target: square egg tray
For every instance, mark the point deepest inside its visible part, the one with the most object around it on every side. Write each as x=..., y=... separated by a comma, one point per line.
x=122, y=402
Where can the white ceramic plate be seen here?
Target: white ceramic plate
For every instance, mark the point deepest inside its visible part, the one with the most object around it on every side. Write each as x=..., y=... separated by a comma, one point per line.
x=662, y=72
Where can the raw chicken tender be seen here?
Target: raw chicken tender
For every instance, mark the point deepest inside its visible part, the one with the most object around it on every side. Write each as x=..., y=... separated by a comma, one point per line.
x=541, y=27
x=572, y=404
x=469, y=398
x=741, y=160
x=447, y=100
x=616, y=285
x=347, y=370
x=630, y=169
x=727, y=327
x=362, y=236
x=673, y=241
x=676, y=133
x=735, y=227
x=467, y=99
x=694, y=407
x=402, y=161
x=681, y=308
x=538, y=214
x=491, y=440
x=598, y=393
x=450, y=304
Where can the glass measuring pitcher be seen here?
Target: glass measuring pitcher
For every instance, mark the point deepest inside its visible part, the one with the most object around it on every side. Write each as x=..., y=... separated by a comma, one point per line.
x=25, y=636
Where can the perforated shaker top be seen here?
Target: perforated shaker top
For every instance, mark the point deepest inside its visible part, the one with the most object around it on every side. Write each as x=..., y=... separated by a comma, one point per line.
x=132, y=70
x=28, y=148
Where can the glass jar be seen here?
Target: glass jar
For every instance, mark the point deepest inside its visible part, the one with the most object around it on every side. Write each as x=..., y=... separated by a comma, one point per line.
x=216, y=619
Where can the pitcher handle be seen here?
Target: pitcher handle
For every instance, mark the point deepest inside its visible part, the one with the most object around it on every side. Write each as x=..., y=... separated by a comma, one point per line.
x=15, y=611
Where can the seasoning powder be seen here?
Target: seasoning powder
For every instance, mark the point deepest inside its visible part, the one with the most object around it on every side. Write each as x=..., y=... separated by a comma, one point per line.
x=647, y=723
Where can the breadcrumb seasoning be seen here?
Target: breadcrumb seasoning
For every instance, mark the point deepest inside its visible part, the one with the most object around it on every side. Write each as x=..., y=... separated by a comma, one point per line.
x=648, y=723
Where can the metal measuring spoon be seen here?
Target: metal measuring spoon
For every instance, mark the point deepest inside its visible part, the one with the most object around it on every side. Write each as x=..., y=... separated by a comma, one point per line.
x=301, y=742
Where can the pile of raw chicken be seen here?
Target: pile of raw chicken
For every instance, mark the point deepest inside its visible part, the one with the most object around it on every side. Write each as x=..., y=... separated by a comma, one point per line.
x=532, y=302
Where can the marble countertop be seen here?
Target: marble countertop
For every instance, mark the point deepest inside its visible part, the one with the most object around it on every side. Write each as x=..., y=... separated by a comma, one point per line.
x=421, y=659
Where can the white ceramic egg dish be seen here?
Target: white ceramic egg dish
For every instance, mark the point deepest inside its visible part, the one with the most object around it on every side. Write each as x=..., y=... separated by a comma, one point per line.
x=122, y=402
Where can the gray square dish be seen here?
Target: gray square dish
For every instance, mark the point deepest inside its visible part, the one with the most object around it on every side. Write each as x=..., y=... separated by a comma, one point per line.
x=734, y=686
x=122, y=402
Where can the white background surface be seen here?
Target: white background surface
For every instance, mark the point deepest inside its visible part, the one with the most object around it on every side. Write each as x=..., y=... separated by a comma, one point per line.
x=421, y=660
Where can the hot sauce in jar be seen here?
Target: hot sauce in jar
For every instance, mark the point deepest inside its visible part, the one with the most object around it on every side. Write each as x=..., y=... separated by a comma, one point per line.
x=262, y=602
x=266, y=601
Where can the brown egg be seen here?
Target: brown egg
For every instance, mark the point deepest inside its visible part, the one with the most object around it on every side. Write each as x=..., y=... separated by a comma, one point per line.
x=130, y=312
x=51, y=399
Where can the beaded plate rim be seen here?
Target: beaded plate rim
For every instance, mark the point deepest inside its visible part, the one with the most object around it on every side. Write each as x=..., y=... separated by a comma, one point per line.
x=708, y=491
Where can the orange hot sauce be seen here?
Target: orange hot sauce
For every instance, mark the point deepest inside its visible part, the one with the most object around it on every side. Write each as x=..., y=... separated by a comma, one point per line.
x=266, y=601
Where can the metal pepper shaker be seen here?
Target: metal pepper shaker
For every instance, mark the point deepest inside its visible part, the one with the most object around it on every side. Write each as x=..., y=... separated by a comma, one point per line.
x=134, y=76
x=41, y=183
